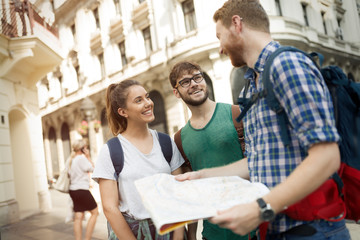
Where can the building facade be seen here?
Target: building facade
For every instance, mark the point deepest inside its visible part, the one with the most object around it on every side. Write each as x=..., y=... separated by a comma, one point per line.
x=29, y=49
x=108, y=41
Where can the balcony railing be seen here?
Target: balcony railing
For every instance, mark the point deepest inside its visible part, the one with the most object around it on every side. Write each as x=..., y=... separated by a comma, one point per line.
x=18, y=19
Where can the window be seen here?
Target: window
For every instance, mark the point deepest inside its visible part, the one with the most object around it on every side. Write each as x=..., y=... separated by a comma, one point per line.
x=189, y=15
x=102, y=64
x=96, y=16
x=60, y=77
x=77, y=70
x=107, y=134
x=122, y=51
x=65, y=138
x=141, y=1
x=53, y=151
x=278, y=8
x=304, y=8
x=159, y=123
x=147, y=40
x=324, y=22
x=73, y=31
x=117, y=7
x=338, y=31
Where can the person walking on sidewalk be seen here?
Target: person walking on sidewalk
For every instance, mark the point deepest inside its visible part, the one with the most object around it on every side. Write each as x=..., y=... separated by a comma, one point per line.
x=80, y=167
x=312, y=156
x=208, y=118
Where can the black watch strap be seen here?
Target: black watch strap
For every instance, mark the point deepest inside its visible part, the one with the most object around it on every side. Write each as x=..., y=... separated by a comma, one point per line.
x=261, y=202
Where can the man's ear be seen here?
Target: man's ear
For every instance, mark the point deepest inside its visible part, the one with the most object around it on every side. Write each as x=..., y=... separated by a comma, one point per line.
x=122, y=112
x=236, y=22
x=176, y=93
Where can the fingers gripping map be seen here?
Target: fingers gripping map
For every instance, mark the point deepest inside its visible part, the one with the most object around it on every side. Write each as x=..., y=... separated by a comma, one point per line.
x=172, y=204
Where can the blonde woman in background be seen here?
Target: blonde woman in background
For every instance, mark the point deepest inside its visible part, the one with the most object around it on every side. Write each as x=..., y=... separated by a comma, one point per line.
x=80, y=167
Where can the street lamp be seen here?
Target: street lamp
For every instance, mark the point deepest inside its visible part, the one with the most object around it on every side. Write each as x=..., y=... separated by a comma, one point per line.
x=88, y=109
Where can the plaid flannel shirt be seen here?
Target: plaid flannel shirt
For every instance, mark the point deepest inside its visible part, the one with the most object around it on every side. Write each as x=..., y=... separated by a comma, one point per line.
x=301, y=90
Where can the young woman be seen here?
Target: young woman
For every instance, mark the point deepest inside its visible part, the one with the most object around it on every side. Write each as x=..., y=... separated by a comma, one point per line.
x=80, y=166
x=129, y=110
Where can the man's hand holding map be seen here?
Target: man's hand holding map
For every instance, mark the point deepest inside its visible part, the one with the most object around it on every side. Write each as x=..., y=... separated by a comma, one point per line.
x=172, y=204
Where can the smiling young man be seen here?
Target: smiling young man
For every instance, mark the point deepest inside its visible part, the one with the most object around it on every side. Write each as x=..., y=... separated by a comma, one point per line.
x=312, y=156
x=209, y=139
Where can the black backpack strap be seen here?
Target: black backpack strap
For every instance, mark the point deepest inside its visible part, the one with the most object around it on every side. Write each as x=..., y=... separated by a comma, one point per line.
x=116, y=155
x=274, y=104
x=239, y=126
x=166, y=146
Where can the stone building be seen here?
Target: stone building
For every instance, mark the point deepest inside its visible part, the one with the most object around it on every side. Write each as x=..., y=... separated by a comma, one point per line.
x=107, y=41
x=29, y=49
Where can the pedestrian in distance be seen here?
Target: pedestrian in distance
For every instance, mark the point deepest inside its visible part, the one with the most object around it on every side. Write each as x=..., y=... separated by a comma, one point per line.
x=208, y=118
x=129, y=109
x=80, y=167
x=312, y=156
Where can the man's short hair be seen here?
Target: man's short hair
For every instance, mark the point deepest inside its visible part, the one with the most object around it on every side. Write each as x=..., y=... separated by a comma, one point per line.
x=182, y=68
x=250, y=11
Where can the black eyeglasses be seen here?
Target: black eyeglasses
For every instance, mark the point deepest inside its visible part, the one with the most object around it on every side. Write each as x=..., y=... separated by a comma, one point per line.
x=185, y=83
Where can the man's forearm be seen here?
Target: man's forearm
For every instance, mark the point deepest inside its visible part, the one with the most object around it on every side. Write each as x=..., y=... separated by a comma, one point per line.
x=322, y=161
x=238, y=168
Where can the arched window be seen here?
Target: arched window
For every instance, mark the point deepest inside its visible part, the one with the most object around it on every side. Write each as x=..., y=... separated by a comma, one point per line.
x=237, y=82
x=54, y=153
x=159, y=123
x=105, y=126
x=65, y=137
x=209, y=86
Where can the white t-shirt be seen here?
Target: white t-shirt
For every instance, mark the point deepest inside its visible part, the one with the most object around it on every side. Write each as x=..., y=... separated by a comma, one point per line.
x=136, y=165
x=79, y=173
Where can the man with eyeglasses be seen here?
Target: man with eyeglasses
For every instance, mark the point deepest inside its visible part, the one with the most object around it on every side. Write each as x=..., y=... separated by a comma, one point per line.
x=209, y=139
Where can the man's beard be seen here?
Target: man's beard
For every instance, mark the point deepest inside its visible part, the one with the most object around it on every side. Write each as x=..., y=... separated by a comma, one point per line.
x=195, y=103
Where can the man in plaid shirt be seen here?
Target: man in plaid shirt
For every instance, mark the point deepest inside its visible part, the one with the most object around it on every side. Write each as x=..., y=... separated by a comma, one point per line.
x=292, y=172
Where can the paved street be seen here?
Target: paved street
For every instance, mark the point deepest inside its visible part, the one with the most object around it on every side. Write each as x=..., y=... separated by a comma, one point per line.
x=52, y=226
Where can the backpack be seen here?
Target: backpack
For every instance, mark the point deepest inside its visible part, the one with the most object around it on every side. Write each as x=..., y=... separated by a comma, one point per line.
x=345, y=95
x=117, y=153
x=239, y=127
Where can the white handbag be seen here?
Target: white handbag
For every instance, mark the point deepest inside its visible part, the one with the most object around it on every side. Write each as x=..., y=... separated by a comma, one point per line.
x=63, y=182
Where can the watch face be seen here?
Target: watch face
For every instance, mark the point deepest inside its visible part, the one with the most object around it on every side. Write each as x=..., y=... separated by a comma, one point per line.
x=268, y=215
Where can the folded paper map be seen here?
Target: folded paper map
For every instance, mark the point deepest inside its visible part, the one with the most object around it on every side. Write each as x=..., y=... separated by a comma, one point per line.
x=172, y=204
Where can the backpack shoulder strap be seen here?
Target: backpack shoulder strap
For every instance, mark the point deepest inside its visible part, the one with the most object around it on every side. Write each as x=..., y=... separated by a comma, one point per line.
x=116, y=155
x=274, y=104
x=166, y=146
x=178, y=142
x=235, y=112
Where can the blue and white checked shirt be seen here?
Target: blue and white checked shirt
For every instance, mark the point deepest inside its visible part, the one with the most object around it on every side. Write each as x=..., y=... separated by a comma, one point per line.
x=301, y=90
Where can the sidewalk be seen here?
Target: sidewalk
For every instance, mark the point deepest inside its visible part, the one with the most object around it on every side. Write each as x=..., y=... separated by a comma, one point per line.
x=52, y=226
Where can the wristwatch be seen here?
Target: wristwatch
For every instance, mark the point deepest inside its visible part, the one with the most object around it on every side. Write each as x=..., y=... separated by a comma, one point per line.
x=267, y=214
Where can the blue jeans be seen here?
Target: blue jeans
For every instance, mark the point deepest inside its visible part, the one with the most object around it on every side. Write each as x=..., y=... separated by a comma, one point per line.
x=324, y=231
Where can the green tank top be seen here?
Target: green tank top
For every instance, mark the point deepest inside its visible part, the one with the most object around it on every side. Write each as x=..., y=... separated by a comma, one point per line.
x=216, y=144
